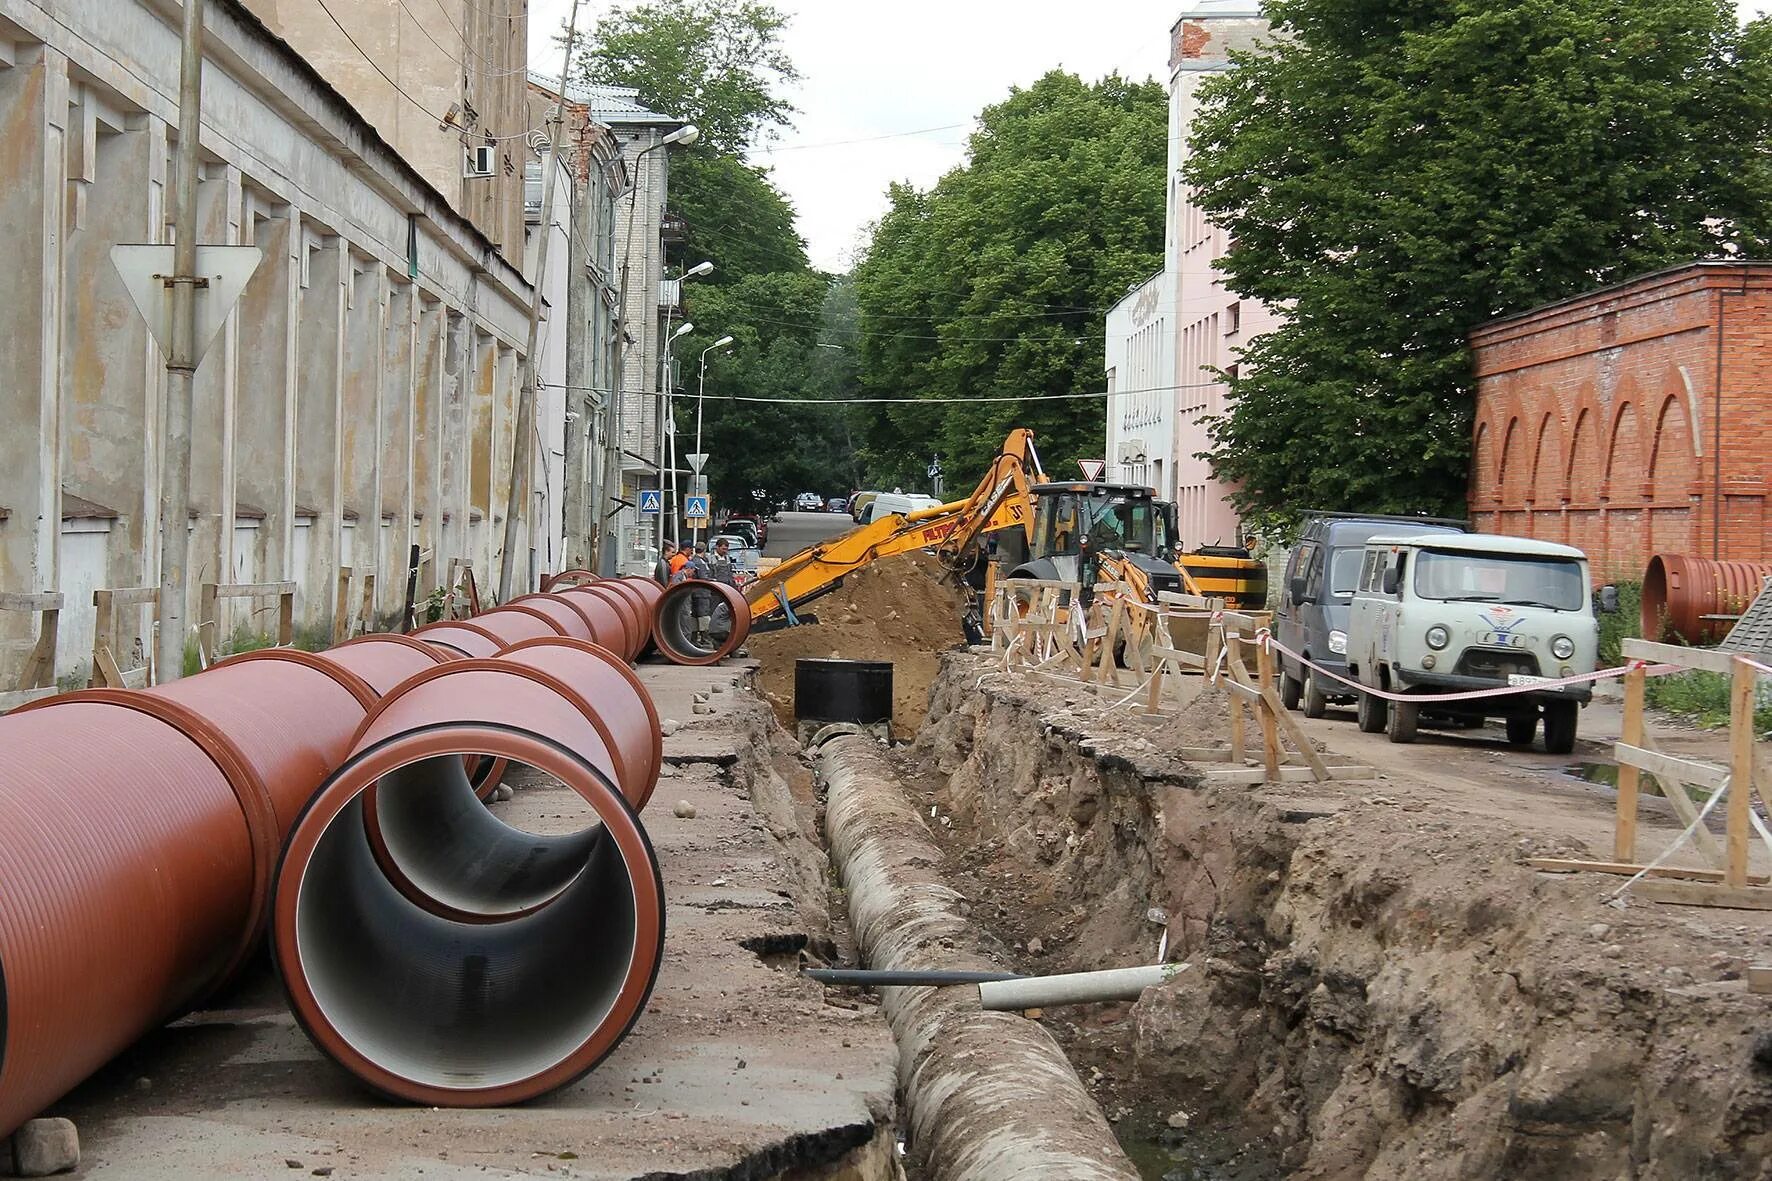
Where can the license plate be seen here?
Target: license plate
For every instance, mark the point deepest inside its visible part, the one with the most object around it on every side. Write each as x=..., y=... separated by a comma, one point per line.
x=1501, y=640
x=1523, y=681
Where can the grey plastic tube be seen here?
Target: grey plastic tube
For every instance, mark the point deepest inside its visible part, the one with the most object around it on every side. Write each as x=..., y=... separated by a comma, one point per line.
x=1073, y=988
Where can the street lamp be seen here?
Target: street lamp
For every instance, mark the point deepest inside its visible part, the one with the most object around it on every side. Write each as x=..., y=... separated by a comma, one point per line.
x=668, y=416
x=666, y=421
x=610, y=469
x=701, y=386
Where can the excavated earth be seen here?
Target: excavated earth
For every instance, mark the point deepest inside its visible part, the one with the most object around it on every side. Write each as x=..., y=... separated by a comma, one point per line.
x=1381, y=987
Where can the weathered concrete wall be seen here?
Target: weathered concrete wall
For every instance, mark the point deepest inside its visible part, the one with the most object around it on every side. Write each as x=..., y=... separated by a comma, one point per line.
x=333, y=406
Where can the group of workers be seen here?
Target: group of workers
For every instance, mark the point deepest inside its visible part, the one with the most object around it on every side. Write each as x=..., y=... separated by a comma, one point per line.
x=693, y=563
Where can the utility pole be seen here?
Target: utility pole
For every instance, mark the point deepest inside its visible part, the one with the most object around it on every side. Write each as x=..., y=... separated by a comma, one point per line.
x=522, y=447
x=181, y=363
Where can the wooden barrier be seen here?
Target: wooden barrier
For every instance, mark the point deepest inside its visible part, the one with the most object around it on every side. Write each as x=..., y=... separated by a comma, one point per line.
x=107, y=640
x=38, y=678
x=209, y=619
x=348, y=621
x=463, y=591
x=1724, y=880
x=1039, y=628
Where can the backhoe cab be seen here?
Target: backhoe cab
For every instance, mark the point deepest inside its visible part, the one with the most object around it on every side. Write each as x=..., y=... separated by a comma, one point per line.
x=1085, y=532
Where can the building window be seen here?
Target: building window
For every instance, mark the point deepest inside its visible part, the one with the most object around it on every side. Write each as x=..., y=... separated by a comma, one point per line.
x=1233, y=319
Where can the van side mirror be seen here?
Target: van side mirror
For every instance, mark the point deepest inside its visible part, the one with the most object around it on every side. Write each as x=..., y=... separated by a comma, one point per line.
x=1390, y=581
x=1298, y=585
x=1606, y=600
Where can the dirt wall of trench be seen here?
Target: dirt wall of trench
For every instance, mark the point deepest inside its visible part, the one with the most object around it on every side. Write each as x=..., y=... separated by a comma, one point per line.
x=1381, y=988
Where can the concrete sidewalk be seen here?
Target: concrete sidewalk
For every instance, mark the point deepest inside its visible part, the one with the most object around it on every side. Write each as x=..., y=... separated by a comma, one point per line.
x=738, y=1067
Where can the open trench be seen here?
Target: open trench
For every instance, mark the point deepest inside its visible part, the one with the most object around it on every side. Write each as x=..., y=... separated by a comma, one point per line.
x=1379, y=988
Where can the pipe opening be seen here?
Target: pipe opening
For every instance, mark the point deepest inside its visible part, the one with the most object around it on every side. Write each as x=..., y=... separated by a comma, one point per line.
x=695, y=623
x=436, y=1009
x=436, y=840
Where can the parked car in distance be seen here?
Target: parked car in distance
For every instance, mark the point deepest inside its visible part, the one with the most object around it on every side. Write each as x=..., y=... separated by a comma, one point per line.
x=858, y=504
x=1316, y=594
x=745, y=528
x=888, y=503
x=745, y=556
x=809, y=502
x=1448, y=613
x=837, y=504
x=758, y=526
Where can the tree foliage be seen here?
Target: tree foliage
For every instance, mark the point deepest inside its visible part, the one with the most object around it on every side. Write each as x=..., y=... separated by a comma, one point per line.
x=1395, y=172
x=717, y=62
x=993, y=282
x=738, y=219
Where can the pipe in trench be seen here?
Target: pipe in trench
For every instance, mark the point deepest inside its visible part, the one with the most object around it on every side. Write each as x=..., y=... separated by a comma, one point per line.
x=141, y=836
x=989, y=1095
x=676, y=622
x=533, y=979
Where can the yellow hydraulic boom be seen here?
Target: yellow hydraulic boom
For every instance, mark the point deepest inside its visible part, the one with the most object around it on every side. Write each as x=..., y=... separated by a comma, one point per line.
x=1001, y=501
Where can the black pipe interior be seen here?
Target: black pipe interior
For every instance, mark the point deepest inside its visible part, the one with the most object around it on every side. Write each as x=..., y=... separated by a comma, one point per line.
x=439, y=835
x=453, y=1004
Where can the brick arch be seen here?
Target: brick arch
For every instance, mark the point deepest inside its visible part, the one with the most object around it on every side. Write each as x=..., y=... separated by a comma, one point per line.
x=1485, y=489
x=1548, y=482
x=1514, y=475
x=1624, y=455
x=1626, y=534
x=1673, y=465
x=1586, y=460
x=1672, y=451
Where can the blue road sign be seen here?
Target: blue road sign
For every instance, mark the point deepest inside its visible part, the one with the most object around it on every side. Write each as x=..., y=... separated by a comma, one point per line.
x=651, y=503
x=695, y=506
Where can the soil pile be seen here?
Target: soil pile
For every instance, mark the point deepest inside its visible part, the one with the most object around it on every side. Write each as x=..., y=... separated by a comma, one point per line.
x=898, y=609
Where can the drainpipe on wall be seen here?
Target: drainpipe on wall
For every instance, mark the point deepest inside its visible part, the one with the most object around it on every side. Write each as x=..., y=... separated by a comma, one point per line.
x=1716, y=459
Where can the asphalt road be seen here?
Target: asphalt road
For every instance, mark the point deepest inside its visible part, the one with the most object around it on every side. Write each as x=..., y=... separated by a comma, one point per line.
x=792, y=532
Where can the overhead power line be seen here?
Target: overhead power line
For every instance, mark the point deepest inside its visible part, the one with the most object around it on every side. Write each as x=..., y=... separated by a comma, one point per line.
x=1080, y=395
x=867, y=139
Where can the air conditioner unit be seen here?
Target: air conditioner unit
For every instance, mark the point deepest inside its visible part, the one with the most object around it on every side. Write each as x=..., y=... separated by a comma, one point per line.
x=479, y=162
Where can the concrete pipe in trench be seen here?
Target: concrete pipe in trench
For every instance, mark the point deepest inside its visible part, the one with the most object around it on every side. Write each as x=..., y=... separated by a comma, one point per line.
x=676, y=622
x=989, y=1095
x=538, y=965
x=141, y=836
x=626, y=612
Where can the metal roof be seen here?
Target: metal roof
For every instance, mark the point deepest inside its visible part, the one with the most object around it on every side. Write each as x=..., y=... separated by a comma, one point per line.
x=1482, y=543
x=607, y=104
x=1752, y=633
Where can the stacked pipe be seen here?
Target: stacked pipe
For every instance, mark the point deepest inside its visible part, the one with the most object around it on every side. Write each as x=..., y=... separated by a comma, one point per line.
x=440, y=954
x=700, y=623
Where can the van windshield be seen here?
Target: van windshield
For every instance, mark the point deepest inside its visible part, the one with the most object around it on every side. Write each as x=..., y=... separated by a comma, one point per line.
x=1516, y=580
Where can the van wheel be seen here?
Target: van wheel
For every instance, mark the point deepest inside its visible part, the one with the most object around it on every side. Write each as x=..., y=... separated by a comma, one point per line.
x=1291, y=692
x=1521, y=728
x=1316, y=702
x=1561, y=718
x=1403, y=720
x=1371, y=713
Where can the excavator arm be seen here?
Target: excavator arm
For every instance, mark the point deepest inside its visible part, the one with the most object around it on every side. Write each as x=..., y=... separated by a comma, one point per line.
x=1001, y=501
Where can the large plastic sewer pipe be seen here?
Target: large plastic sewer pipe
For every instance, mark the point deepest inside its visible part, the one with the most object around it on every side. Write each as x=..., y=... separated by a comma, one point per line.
x=568, y=619
x=141, y=836
x=626, y=609
x=643, y=594
x=462, y=637
x=675, y=623
x=514, y=624
x=1679, y=590
x=566, y=578
x=538, y=966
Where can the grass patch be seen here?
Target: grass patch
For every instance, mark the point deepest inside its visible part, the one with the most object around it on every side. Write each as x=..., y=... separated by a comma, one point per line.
x=1702, y=698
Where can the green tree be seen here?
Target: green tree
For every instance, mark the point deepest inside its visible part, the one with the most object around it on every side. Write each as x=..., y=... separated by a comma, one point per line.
x=737, y=218
x=994, y=282
x=718, y=62
x=1393, y=173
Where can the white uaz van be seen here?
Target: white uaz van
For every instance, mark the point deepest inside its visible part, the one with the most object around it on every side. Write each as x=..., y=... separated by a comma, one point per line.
x=1449, y=613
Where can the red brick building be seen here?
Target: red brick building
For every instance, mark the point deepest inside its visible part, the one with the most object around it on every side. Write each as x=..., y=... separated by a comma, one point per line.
x=1633, y=420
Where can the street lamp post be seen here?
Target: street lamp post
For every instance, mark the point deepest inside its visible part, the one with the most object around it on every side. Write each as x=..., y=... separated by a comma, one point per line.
x=701, y=386
x=665, y=421
x=612, y=467
x=664, y=401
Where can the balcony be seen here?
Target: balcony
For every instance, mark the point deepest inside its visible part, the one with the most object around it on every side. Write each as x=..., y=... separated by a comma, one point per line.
x=672, y=228
x=670, y=296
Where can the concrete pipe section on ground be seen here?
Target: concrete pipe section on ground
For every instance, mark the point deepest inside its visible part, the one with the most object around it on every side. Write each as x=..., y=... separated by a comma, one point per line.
x=700, y=623
x=141, y=837
x=441, y=955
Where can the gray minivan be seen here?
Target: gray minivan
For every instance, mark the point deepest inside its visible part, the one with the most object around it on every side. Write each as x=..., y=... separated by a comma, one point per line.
x=1316, y=594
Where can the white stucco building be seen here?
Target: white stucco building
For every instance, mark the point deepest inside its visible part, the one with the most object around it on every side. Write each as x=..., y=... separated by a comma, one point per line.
x=1140, y=382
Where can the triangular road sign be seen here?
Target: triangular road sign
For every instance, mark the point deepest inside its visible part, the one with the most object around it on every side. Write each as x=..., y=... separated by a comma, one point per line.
x=1092, y=468
x=697, y=461
x=146, y=272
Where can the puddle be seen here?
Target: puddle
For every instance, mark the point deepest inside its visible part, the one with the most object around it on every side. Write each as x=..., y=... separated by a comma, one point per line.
x=1160, y=1153
x=1606, y=775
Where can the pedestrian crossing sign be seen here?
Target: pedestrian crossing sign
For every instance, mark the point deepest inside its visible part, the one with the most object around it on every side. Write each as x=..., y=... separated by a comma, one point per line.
x=695, y=508
x=651, y=502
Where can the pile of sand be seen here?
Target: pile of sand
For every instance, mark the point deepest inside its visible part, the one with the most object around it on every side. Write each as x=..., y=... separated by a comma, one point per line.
x=898, y=609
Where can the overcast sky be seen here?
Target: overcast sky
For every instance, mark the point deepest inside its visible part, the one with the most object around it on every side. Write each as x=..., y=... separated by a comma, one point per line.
x=923, y=66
